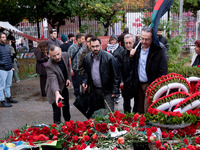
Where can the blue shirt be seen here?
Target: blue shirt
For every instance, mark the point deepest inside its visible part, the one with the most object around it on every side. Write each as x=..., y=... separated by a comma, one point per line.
x=142, y=65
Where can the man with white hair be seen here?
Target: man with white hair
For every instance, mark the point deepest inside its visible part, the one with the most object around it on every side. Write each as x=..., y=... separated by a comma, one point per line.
x=125, y=69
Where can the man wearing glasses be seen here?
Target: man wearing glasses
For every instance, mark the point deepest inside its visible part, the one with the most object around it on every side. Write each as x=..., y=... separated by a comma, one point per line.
x=53, y=38
x=150, y=62
x=101, y=74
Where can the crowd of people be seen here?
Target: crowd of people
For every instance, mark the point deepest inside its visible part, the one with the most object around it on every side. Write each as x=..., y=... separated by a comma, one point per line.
x=126, y=66
x=122, y=67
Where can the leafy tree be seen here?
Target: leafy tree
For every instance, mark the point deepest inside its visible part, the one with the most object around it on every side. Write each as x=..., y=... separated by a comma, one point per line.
x=106, y=12
x=10, y=11
x=188, y=5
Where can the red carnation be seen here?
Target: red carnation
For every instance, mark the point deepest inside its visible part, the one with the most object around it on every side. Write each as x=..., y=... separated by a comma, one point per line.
x=197, y=140
x=149, y=132
x=135, y=117
x=55, y=138
x=141, y=124
x=162, y=148
x=185, y=141
x=121, y=140
x=45, y=130
x=54, y=125
x=153, y=129
x=155, y=111
x=92, y=144
x=98, y=127
x=54, y=132
x=104, y=126
x=134, y=124
x=90, y=131
x=60, y=104
x=157, y=143
x=86, y=138
x=94, y=136
x=75, y=138
x=112, y=128
x=83, y=145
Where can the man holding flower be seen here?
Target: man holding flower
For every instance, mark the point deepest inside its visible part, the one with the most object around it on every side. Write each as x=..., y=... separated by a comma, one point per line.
x=58, y=81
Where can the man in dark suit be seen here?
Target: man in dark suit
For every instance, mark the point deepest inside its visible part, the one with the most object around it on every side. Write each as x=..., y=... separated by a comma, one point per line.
x=58, y=81
x=150, y=62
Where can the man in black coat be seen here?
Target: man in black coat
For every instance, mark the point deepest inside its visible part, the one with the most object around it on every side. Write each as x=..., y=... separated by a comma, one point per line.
x=125, y=70
x=101, y=74
x=150, y=62
x=163, y=40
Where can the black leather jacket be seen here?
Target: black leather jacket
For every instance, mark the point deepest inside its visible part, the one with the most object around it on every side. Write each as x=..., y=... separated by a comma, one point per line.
x=108, y=71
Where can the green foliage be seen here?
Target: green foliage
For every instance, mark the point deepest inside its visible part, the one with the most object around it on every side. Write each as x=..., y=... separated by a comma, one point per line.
x=146, y=20
x=188, y=5
x=106, y=12
x=188, y=71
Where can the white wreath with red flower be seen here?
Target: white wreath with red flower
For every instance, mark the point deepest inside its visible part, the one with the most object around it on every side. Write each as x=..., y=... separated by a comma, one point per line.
x=172, y=95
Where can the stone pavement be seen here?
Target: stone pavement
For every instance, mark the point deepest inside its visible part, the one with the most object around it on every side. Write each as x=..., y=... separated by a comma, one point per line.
x=32, y=108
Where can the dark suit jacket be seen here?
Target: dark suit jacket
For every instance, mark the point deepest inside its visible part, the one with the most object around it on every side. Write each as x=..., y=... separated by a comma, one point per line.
x=157, y=64
x=55, y=78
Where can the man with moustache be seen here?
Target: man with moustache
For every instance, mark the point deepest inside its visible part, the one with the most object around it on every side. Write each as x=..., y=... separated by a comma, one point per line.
x=74, y=51
x=125, y=69
x=150, y=63
x=58, y=81
x=101, y=74
x=6, y=73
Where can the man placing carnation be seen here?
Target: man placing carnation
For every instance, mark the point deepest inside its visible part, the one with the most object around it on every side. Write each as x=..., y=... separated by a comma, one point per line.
x=58, y=81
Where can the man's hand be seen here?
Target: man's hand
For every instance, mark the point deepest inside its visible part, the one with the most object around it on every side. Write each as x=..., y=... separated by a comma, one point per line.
x=84, y=86
x=72, y=73
x=132, y=52
x=13, y=69
x=68, y=83
x=113, y=95
x=58, y=96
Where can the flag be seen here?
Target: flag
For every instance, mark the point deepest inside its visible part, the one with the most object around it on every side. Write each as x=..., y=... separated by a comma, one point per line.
x=160, y=8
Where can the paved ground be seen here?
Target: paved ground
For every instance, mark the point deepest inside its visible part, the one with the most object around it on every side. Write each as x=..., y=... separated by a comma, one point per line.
x=32, y=108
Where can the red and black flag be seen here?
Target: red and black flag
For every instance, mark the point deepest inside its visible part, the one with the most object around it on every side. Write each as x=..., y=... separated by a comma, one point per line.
x=160, y=8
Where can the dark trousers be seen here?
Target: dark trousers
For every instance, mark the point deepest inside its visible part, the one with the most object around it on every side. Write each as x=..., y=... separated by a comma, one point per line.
x=65, y=108
x=43, y=79
x=100, y=97
x=127, y=105
x=140, y=100
x=76, y=80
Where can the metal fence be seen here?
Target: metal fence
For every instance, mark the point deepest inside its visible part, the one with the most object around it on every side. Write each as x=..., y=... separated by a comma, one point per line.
x=133, y=20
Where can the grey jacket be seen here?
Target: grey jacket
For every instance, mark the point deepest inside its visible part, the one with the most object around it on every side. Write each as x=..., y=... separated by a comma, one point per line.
x=55, y=79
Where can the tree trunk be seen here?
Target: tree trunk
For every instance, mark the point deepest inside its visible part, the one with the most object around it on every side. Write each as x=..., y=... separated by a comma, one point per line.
x=58, y=29
x=38, y=28
x=106, y=26
x=79, y=20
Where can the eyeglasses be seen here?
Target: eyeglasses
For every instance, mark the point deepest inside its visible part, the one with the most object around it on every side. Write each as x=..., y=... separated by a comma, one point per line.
x=143, y=39
x=53, y=30
x=96, y=46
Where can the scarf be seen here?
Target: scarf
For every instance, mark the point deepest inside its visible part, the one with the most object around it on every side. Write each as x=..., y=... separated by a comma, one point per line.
x=112, y=48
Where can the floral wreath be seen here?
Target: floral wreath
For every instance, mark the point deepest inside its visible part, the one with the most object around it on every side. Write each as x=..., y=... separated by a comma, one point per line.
x=197, y=86
x=169, y=101
x=165, y=84
x=193, y=83
x=189, y=103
